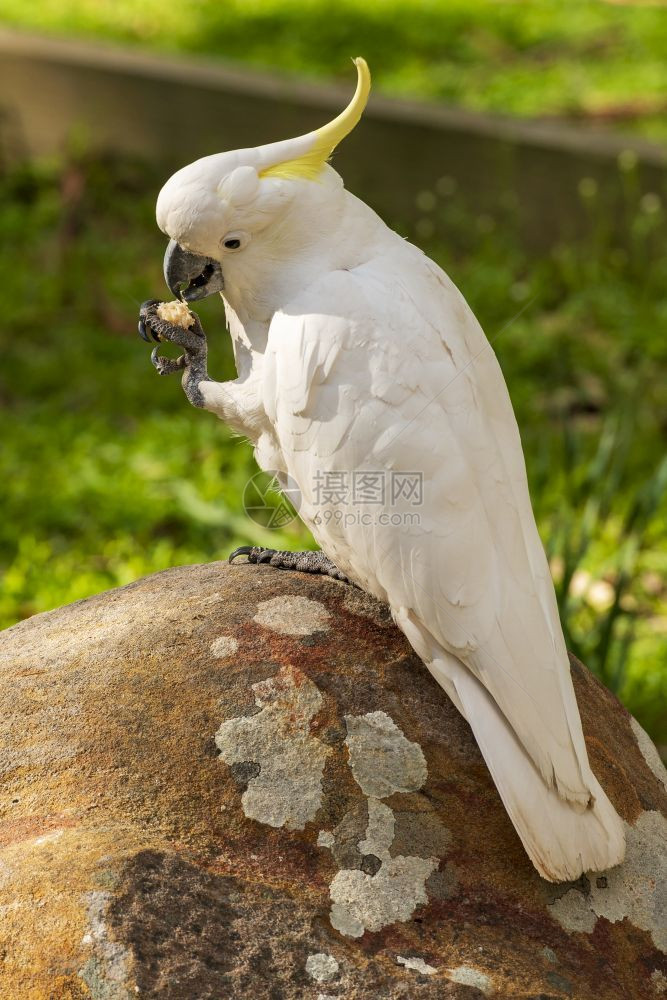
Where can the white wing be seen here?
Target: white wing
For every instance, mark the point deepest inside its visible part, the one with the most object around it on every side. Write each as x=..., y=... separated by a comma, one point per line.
x=384, y=369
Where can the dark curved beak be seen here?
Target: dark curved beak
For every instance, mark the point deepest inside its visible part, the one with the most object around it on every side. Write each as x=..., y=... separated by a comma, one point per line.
x=189, y=275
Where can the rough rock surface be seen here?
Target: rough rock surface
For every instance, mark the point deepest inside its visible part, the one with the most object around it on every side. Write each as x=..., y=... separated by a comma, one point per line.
x=237, y=782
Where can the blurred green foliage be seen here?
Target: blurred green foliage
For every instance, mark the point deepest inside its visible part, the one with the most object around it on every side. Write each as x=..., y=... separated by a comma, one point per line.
x=528, y=57
x=107, y=474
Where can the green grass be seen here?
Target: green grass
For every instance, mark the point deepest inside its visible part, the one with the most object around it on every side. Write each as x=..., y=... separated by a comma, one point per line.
x=108, y=474
x=572, y=58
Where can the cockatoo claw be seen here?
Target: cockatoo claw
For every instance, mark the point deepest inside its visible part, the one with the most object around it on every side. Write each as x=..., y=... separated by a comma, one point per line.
x=145, y=331
x=310, y=561
x=166, y=366
x=192, y=339
x=243, y=550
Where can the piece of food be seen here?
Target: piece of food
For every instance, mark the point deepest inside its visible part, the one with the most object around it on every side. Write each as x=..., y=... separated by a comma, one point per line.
x=177, y=313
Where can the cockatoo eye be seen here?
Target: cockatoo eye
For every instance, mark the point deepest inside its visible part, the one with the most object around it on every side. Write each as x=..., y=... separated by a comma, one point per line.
x=234, y=241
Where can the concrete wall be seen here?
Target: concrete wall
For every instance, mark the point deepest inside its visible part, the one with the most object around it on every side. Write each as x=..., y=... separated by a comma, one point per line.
x=172, y=110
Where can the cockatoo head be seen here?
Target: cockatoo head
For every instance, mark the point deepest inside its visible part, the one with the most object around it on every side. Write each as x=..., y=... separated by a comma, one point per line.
x=239, y=205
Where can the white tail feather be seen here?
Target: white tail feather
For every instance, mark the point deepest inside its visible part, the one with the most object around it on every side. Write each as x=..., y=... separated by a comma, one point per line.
x=562, y=839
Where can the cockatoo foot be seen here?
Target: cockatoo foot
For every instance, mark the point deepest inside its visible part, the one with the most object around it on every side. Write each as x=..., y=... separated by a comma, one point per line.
x=166, y=366
x=192, y=339
x=303, y=562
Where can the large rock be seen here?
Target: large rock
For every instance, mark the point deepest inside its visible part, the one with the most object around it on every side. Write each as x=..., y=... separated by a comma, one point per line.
x=236, y=782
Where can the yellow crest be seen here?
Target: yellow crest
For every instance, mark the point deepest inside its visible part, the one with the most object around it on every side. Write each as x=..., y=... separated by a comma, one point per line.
x=325, y=139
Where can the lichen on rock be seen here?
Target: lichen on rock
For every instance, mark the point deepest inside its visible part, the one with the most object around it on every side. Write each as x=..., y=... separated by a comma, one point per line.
x=382, y=759
x=321, y=967
x=636, y=890
x=223, y=646
x=417, y=965
x=363, y=902
x=468, y=975
x=292, y=615
x=383, y=762
x=286, y=787
x=106, y=972
x=380, y=830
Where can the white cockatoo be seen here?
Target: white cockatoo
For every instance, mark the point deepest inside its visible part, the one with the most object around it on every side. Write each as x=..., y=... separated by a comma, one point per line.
x=360, y=363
